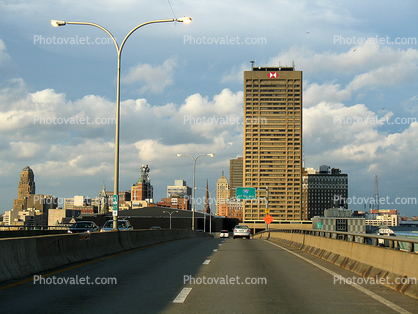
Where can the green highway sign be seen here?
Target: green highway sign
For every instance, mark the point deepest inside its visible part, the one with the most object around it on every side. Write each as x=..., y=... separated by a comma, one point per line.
x=245, y=193
x=115, y=202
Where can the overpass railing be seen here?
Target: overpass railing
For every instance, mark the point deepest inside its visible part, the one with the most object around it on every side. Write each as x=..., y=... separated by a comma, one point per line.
x=391, y=242
x=34, y=227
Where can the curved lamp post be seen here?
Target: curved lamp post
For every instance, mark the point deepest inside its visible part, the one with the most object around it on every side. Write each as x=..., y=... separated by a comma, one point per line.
x=170, y=213
x=57, y=23
x=210, y=209
x=194, y=173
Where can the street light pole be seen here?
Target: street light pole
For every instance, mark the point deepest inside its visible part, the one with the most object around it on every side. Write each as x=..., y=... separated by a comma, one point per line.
x=210, y=209
x=57, y=23
x=194, y=174
x=170, y=213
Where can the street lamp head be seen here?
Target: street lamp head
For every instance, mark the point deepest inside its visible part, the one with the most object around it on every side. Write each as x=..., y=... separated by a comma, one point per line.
x=211, y=155
x=179, y=155
x=184, y=19
x=57, y=23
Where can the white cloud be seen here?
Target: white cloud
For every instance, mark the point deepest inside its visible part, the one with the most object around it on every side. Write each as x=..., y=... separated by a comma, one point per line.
x=368, y=58
x=327, y=92
x=154, y=79
x=236, y=74
x=4, y=56
x=210, y=117
x=338, y=82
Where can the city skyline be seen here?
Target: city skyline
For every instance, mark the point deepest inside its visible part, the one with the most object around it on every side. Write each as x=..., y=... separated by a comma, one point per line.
x=183, y=93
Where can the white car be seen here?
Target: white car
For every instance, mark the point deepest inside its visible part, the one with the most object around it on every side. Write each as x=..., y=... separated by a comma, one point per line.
x=242, y=231
x=224, y=234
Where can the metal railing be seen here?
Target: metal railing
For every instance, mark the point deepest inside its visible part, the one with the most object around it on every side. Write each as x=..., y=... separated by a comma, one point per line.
x=34, y=227
x=391, y=242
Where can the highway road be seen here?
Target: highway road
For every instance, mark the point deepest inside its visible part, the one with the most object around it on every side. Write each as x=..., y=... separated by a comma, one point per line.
x=202, y=275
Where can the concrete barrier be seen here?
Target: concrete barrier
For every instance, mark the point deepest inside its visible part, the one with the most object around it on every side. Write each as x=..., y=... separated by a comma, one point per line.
x=393, y=268
x=28, y=233
x=24, y=256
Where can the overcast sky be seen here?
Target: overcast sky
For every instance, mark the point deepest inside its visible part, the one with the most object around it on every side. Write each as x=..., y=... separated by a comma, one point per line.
x=359, y=63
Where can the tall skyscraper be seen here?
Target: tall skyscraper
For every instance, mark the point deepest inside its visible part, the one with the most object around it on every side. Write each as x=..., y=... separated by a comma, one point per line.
x=25, y=189
x=273, y=141
x=222, y=192
x=235, y=175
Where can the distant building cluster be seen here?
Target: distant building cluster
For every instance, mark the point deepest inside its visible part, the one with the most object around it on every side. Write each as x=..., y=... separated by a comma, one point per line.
x=272, y=165
x=29, y=208
x=179, y=196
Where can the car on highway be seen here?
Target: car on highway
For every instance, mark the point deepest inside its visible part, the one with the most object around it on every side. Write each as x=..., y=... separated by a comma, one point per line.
x=83, y=226
x=224, y=234
x=155, y=228
x=123, y=225
x=241, y=231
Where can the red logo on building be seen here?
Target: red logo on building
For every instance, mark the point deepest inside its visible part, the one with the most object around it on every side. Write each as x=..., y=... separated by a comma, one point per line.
x=273, y=75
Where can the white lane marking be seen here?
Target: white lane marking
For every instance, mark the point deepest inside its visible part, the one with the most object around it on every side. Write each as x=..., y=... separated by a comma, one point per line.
x=393, y=306
x=182, y=295
x=206, y=262
x=215, y=250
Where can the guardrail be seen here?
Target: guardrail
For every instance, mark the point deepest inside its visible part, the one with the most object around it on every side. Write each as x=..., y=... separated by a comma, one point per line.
x=388, y=258
x=391, y=242
x=34, y=227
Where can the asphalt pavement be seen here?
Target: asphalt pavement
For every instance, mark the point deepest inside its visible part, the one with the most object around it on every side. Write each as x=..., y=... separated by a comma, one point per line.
x=204, y=275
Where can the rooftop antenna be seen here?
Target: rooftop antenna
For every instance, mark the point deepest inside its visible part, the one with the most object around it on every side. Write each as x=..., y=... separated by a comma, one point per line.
x=376, y=192
x=252, y=64
x=293, y=65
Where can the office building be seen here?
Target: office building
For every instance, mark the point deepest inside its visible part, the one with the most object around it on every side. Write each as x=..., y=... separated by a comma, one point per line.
x=26, y=188
x=387, y=217
x=339, y=219
x=273, y=142
x=179, y=196
x=179, y=189
x=323, y=189
x=235, y=175
x=143, y=190
x=30, y=208
x=175, y=203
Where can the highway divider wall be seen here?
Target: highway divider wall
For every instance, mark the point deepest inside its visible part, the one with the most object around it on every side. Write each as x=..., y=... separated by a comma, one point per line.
x=28, y=233
x=31, y=255
x=393, y=268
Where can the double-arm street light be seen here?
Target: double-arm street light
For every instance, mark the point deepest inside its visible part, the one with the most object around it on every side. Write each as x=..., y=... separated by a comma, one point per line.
x=170, y=213
x=194, y=174
x=210, y=209
x=57, y=23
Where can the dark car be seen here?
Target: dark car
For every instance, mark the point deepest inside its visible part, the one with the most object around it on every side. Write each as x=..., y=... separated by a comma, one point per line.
x=83, y=226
